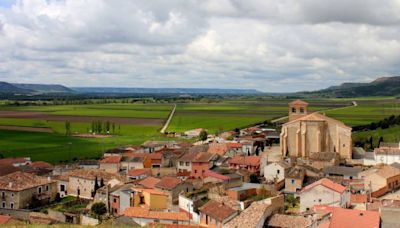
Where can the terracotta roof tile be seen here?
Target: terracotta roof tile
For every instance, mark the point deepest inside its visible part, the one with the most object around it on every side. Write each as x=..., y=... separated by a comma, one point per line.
x=149, y=182
x=19, y=181
x=245, y=160
x=288, y=221
x=91, y=174
x=41, y=165
x=234, y=145
x=190, y=156
x=168, y=183
x=138, y=172
x=111, y=159
x=388, y=171
x=354, y=218
x=204, y=157
x=217, y=210
x=326, y=183
x=217, y=148
x=13, y=160
x=139, y=212
x=298, y=102
x=210, y=173
x=7, y=169
x=250, y=217
x=4, y=219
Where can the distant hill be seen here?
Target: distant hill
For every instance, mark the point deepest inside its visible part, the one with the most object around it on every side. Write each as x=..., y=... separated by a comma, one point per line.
x=384, y=86
x=44, y=88
x=116, y=90
x=7, y=88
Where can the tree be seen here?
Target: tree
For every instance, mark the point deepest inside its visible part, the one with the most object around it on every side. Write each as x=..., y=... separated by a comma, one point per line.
x=98, y=209
x=203, y=135
x=380, y=141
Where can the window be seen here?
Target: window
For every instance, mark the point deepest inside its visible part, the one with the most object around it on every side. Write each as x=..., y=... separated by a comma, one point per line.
x=187, y=163
x=301, y=110
x=292, y=181
x=12, y=205
x=175, y=222
x=195, y=171
x=181, y=163
x=12, y=195
x=319, y=200
x=3, y=205
x=40, y=190
x=115, y=200
x=294, y=110
x=47, y=188
x=278, y=171
x=62, y=187
x=3, y=194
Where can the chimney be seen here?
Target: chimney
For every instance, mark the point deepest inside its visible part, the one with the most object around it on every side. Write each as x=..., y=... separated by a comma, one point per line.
x=10, y=184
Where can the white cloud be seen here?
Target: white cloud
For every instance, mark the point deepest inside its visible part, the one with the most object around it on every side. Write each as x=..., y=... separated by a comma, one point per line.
x=268, y=45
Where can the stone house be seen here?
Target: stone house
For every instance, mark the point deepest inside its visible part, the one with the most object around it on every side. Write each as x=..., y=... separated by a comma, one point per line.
x=24, y=190
x=275, y=172
x=184, y=163
x=149, y=198
x=324, y=192
x=234, y=148
x=348, y=173
x=216, y=215
x=323, y=159
x=145, y=217
x=111, y=164
x=294, y=180
x=135, y=161
x=153, y=146
x=89, y=164
x=173, y=187
x=387, y=153
x=138, y=174
x=193, y=133
x=384, y=180
x=82, y=181
x=201, y=163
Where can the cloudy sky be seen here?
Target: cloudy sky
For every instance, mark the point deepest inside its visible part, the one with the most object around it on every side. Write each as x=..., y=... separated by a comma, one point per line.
x=269, y=45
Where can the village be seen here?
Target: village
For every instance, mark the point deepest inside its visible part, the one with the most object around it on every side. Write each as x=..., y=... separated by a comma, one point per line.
x=303, y=173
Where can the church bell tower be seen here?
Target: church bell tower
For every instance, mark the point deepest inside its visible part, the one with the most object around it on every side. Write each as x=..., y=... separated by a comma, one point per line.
x=297, y=109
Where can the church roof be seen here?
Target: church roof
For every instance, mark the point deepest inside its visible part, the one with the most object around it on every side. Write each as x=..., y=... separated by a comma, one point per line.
x=298, y=102
x=315, y=116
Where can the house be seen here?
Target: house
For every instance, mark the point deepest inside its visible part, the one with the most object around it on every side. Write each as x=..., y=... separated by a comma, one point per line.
x=115, y=198
x=7, y=169
x=135, y=161
x=322, y=159
x=193, y=133
x=153, y=146
x=313, y=133
x=344, y=172
x=341, y=217
x=138, y=174
x=217, y=148
x=248, y=147
x=234, y=148
x=383, y=180
x=149, y=198
x=149, y=182
x=82, y=181
x=324, y=192
x=387, y=153
x=275, y=172
x=16, y=161
x=294, y=180
x=20, y=190
x=155, y=159
x=251, y=163
x=289, y=221
x=214, y=214
x=144, y=217
x=62, y=184
x=111, y=164
x=184, y=163
x=214, y=177
x=89, y=164
x=246, y=190
x=173, y=187
x=201, y=163
x=389, y=211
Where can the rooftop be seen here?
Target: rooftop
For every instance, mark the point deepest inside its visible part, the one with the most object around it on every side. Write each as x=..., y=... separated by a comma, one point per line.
x=342, y=170
x=138, y=172
x=298, y=102
x=354, y=218
x=190, y=156
x=217, y=210
x=19, y=181
x=204, y=157
x=288, y=221
x=245, y=160
x=217, y=148
x=296, y=173
x=41, y=165
x=210, y=173
x=91, y=174
x=168, y=183
x=323, y=156
x=139, y=212
x=149, y=182
x=250, y=216
x=326, y=183
x=388, y=171
x=7, y=169
x=111, y=160
x=5, y=161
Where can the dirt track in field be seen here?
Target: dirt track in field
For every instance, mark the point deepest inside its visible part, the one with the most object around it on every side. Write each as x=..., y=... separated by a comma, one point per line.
x=46, y=116
x=29, y=129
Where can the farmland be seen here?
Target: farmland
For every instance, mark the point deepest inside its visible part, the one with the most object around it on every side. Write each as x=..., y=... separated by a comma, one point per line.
x=136, y=122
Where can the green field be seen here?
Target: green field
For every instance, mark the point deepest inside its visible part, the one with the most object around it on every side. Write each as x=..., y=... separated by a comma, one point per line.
x=223, y=115
x=391, y=134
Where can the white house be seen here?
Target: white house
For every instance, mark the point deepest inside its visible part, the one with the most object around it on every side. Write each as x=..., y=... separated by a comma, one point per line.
x=387, y=153
x=187, y=205
x=324, y=192
x=276, y=171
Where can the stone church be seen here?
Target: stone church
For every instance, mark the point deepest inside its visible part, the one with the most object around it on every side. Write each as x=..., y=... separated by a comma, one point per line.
x=308, y=133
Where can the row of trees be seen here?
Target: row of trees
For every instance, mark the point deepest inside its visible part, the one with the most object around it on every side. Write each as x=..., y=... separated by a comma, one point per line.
x=98, y=127
x=385, y=123
x=368, y=143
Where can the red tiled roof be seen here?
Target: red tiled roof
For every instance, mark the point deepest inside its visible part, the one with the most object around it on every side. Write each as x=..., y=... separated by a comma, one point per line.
x=5, y=161
x=234, y=145
x=4, y=219
x=149, y=182
x=210, y=173
x=354, y=218
x=203, y=157
x=138, y=172
x=168, y=183
x=298, y=102
x=41, y=165
x=139, y=212
x=245, y=160
x=217, y=210
x=326, y=183
x=155, y=156
x=20, y=181
x=217, y=148
x=111, y=159
x=7, y=169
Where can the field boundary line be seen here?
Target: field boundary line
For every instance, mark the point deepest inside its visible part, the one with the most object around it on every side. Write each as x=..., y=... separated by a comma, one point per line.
x=168, y=120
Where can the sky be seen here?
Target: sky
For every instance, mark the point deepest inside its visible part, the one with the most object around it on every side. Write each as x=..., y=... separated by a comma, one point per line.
x=268, y=45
